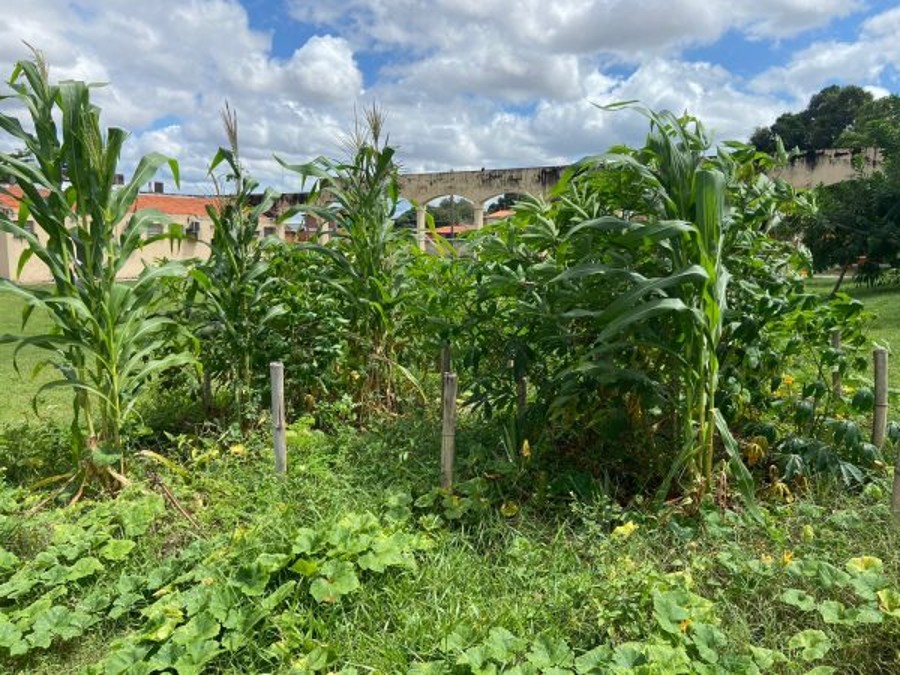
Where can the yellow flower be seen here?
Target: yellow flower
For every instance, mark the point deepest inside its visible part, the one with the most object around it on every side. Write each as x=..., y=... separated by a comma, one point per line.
x=766, y=559
x=788, y=379
x=787, y=557
x=526, y=449
x=684, y=625
x=237, y=449
x=625, y=530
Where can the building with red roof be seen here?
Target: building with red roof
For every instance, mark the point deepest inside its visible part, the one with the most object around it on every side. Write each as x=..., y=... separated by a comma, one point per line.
x=188, y=211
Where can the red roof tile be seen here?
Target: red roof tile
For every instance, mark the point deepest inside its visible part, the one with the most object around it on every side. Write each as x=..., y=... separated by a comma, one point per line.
x=444, y=230
x=173, y=205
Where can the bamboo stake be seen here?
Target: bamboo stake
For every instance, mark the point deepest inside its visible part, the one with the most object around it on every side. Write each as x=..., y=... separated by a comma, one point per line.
x=836, y=373
x=895, y=494
x=276, y=371
x=446, y=364
x=448, y=430
x=879, y=417
x=521, y=395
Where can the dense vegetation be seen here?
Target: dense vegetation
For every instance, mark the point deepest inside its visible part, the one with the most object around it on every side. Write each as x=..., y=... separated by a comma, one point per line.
x=655, y=474
x=856, y=221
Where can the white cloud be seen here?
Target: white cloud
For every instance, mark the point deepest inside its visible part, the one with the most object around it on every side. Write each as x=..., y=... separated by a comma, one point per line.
x=467, y=83
x=631, y=28
x=861, y=61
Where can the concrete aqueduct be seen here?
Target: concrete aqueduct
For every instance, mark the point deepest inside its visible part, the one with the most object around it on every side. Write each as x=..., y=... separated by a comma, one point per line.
x=822, y=167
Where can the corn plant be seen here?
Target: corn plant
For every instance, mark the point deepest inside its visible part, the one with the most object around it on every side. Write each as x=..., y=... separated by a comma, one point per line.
x=109, y=338
x=366, y=257
x=677, y=310
x=230, y=301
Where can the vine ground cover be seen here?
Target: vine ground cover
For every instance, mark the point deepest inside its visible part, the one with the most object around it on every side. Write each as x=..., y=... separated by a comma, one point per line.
x=350, y=565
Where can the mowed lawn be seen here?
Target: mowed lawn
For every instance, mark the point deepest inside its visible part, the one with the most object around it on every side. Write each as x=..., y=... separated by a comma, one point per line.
x=884, y=331
x=18, y=389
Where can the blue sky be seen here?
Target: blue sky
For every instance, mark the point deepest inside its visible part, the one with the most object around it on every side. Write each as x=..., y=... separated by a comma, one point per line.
x=464, y=83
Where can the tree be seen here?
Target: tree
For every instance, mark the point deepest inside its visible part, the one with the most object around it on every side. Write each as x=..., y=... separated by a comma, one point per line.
x=856, y=221
x=449, y=211
x=452, y=211
x=505, y=202
x=877, y=125
x=829, y=114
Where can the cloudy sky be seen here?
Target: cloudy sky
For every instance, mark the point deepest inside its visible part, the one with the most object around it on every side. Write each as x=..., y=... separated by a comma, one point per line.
x=464, y=83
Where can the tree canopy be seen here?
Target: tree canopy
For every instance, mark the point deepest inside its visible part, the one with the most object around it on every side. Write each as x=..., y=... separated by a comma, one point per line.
x=830, y=113
x=858, y=221
x=449, y=211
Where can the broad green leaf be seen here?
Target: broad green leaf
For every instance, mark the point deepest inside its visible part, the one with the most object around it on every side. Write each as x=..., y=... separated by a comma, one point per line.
x=58, y=621
x=889, y=602
x=117, y=549
x=201, y=627
x=594, y=661
x=306, y=542
x=272, y=562
x=547, y=652
x=196, y=655
x=127, y=658
x=388, y=552
x=252, y=579
x=305, y=566
x=140, y=514
x=834, y=612
x=428, y=668
x=799, y=599
x=18, y=585
x=709, y=641
x=11, y=638
x=84, y=567
x=8, y=561
x=766, y=659
x=864, y=565
x=477, y=659
x=338, y=579
x=812, y=644
x=501, y=645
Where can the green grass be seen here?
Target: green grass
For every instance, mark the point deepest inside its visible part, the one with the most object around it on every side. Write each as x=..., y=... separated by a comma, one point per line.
x=20, y=387
x=555, y=570
x=884, y=330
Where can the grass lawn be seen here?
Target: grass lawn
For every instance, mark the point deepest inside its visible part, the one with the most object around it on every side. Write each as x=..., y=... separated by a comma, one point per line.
x=884, y=331
x=21, y=387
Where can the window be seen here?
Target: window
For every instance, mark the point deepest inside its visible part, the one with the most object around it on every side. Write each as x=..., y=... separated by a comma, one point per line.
x=154, y=229
x=192, y=229
x=28, y=227
x=269, y=231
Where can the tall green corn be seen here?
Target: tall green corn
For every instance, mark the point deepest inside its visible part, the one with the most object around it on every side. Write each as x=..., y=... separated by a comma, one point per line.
x=684, y=225
x=231, y=297
x=108, y=338
x=366, y=258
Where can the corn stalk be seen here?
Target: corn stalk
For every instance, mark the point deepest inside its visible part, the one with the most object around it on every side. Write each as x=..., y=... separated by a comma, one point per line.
x=108, y=338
